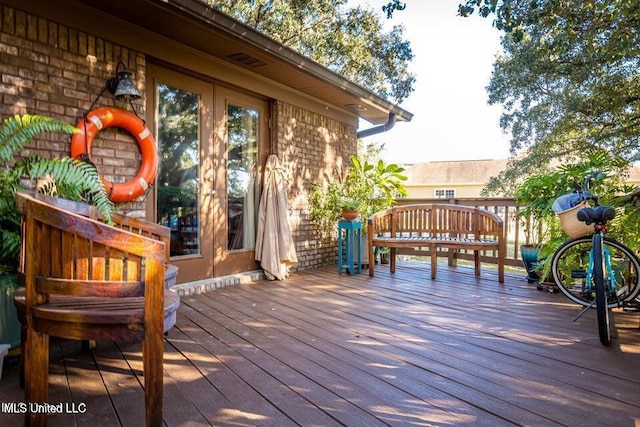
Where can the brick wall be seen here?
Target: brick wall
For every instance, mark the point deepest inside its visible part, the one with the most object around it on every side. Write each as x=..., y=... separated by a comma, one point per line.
x=312, y=149
x=54, y=70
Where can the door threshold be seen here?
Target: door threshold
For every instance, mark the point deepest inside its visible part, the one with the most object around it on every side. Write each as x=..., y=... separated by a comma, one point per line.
x=213, y=283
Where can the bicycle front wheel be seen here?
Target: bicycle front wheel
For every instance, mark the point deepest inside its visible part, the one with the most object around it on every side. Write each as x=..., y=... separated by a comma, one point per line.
x=573, y=274
x=602, y=310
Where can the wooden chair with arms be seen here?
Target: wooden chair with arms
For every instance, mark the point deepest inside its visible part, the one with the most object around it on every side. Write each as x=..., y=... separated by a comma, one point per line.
x=87, y=280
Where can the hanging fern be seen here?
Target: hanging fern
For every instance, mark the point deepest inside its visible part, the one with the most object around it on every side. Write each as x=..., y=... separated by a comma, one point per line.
x=70, y=178
x=20, y=130
x=73, y=179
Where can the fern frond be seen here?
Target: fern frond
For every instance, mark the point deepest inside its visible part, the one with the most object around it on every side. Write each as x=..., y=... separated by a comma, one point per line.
x=74, y=179
x=18, y=130
x=10, y=244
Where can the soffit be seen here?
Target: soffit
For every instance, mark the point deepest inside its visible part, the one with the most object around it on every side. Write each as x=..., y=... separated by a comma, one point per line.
x=191, y=23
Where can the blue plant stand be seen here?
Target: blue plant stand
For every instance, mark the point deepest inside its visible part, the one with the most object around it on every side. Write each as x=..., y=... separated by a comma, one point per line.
x=350, y=246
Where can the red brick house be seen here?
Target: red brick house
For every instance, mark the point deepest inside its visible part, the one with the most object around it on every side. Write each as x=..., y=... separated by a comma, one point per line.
x=218, y=98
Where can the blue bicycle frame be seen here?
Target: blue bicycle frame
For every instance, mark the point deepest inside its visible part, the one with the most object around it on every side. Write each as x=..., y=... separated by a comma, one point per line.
x=607, y=260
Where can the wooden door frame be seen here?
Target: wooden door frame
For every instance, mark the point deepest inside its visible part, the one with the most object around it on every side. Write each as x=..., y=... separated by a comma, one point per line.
x=200, y=266
x=240, y=260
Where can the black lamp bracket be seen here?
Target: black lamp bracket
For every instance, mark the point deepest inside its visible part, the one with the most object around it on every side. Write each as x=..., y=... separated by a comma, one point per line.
x=112, y=83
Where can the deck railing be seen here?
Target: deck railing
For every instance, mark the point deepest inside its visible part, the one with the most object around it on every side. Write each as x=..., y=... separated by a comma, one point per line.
x=518, y=231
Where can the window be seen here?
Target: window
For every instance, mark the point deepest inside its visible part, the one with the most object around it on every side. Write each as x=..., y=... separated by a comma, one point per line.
x=445, y=193
x=243, y=126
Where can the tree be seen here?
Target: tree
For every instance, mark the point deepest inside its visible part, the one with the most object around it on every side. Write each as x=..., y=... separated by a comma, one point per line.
x=392, y=6
x=568, y=78
x=350, y=41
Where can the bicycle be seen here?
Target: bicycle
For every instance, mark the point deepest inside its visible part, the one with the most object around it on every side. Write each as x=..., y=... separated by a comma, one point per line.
x=596, y=271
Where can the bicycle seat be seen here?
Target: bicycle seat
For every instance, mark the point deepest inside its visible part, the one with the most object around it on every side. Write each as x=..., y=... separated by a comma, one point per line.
x=599, y=214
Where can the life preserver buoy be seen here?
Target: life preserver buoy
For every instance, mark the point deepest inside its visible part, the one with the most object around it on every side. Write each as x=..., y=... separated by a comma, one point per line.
x=105, y=117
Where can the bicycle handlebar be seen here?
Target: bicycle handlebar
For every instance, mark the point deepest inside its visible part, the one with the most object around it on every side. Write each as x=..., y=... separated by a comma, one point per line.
x=591, y=177
x=586, y=194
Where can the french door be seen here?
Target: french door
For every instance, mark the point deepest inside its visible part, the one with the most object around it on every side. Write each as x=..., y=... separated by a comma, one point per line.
x=240, y=152
x=213, y=142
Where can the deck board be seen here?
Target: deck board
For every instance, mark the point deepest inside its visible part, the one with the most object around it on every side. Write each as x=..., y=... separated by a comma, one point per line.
x=322, y=349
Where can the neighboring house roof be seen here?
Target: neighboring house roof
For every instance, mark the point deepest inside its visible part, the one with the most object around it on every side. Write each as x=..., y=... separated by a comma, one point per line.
x=205, y=29
x=465, y=172
x=468, y=172
x=634, y=174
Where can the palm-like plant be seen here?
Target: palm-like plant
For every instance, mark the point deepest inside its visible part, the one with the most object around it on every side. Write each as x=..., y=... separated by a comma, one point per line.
x=375, y=185
x=72, y=178
x=369, y=187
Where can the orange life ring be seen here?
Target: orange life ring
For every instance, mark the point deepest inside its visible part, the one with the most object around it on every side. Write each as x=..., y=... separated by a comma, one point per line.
x=105, y=117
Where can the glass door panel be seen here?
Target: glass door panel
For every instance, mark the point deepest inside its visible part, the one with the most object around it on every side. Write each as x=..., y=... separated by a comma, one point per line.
x=178, y=177
x=242, y=185
x=183, y=199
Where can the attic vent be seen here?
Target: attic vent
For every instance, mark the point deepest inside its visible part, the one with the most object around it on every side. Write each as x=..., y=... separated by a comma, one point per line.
x=357, y=108
x=247, y=60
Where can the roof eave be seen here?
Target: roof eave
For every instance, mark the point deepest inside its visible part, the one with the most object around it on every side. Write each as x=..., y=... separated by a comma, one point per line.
x=225, y=23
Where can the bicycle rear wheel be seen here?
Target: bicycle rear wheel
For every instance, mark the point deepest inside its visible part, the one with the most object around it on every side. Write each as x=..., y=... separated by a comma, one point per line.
x=602, y=310
x=570, y=270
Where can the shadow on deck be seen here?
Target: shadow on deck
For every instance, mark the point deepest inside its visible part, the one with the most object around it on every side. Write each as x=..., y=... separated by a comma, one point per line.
x=327, y=349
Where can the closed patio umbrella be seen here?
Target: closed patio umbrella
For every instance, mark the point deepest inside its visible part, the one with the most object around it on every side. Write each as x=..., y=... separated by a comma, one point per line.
x=274, y=244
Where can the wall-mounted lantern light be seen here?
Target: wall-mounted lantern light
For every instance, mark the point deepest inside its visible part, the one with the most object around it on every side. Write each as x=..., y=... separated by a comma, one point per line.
x=121, y=86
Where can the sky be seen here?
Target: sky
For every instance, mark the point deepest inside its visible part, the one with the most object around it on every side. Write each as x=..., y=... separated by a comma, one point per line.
x=453, y=58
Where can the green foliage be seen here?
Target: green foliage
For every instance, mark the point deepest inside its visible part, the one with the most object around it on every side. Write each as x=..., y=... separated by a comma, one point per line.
x=567, y=79
x=375, y=185
x=509, y=15
x=368, y=187
x=18, y=130
x=70, y=178
x=538, y=192
x=349, y=204
x=326, y=205
x=349, y=41
x=392, y=6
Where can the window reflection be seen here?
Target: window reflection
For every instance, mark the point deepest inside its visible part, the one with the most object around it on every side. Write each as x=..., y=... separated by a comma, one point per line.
x=242, y=183
x=178, y=184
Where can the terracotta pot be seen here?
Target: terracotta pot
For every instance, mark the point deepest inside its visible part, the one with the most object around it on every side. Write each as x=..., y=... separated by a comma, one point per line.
x=349, y=215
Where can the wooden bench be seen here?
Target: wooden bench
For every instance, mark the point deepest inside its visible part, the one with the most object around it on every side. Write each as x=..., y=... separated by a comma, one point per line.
x=436, y=226
x=86, y=280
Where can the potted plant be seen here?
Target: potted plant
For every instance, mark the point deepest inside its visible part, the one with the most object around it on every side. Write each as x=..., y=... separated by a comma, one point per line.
x=349, y=207
x=375, y=185
x=538, y=192
x=368, y=187
x=535, y=209
x=65, y=177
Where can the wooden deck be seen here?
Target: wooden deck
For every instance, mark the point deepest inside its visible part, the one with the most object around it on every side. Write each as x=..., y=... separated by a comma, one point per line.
x=320, y=349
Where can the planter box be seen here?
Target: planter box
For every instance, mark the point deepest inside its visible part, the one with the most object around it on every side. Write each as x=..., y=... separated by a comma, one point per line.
x=4, y=349
x=9, y=325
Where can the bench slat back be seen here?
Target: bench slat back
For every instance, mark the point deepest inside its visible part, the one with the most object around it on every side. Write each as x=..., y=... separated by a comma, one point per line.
x=438, y=220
